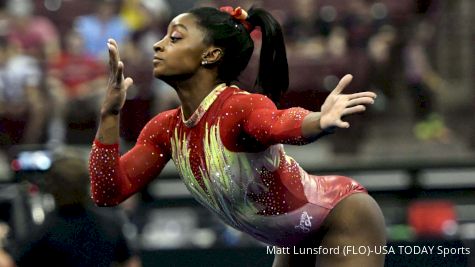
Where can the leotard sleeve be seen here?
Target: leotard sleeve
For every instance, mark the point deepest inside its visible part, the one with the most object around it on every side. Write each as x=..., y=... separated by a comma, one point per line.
x=114, y=178
x=269, y=125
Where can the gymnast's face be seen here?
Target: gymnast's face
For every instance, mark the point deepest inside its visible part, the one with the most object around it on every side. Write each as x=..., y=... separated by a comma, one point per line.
x=179, y=54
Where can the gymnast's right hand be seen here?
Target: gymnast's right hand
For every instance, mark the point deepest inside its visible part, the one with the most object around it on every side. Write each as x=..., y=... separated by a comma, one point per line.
x=117, y=85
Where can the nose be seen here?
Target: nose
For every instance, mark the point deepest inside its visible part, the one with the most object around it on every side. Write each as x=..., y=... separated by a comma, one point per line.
x=158, y=46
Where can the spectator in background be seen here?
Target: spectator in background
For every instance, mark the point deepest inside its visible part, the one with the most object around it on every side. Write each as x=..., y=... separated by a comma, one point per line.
x=22, y=105
x=381, y=50
x=146, y=31
x=79, y=74
x=36, y=40
x=76, y=81
x=136, y=14
x=37, y=35
x=75, y=234
x=359, y=23
x=305, y=30
x=306, y=23
x=104, y=23
x=423, y=84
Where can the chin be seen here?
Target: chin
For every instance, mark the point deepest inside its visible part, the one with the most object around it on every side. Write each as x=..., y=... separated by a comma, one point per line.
x=157, y=73
x=165, y=78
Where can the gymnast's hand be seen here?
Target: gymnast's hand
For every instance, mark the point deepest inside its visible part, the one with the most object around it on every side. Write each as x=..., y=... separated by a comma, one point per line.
x=337, y=105
x=117, y=86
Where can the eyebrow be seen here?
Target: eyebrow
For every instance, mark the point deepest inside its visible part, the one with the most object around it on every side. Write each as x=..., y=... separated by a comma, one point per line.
x=180, y=25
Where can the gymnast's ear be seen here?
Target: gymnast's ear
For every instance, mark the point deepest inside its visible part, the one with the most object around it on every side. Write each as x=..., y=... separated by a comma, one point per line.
x=212, y=55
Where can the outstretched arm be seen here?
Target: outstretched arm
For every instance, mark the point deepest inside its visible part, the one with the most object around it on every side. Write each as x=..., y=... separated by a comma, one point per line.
x=297, y=126
x=335, y=107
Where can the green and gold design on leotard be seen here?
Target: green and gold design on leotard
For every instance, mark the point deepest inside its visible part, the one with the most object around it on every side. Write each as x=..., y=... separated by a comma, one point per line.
x=227, y=176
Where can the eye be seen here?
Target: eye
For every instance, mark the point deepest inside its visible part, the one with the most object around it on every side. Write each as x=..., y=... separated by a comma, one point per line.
x=175, y=36
x=174, y=39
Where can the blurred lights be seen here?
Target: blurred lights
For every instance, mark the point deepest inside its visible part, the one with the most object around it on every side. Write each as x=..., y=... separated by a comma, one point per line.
x=37, y=214
x=32, y=161
x=328, y=13
x=203, y=238
x=379, y=10
x=52, y=5
x=449, y=227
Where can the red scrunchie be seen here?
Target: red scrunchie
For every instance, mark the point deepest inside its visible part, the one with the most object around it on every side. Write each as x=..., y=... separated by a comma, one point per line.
x=238, y=14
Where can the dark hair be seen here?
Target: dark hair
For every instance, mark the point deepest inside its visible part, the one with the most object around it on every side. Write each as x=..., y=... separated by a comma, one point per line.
x=223, y=31
x=68, y=178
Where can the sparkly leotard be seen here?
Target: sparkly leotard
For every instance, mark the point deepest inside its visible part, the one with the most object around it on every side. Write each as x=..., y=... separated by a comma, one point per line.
x=230, y=156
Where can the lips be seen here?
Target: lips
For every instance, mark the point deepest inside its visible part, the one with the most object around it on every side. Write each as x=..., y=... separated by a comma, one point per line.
x=157, y=60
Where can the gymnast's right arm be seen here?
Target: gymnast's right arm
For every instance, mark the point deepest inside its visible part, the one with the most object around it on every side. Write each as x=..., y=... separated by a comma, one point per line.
x=115, y=178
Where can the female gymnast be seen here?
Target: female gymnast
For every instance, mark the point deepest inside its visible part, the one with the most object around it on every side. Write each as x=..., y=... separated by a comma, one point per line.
x=226, y=143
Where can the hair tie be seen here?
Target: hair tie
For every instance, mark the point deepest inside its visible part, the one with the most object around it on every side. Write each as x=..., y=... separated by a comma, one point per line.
x=238, y=14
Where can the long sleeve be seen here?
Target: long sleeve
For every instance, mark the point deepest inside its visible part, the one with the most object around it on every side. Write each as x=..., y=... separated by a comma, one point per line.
x=115, y=178
x=269, y=125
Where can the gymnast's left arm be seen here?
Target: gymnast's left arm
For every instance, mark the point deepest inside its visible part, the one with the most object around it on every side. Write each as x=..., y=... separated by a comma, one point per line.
x=298, y=126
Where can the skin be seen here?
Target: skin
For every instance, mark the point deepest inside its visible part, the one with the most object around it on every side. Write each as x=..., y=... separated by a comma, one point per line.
x=5, y=259
x=356, y=220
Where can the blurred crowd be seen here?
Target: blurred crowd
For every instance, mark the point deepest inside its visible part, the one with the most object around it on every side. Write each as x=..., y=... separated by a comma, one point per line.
x=54, y=66
x=53, y=73
x=53, y=60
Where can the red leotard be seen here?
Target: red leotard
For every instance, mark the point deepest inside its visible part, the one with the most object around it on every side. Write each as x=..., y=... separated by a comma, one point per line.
x=230, y=156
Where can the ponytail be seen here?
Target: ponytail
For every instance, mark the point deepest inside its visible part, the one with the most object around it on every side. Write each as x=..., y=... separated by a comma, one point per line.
x=230, y=30
x=273, y=73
